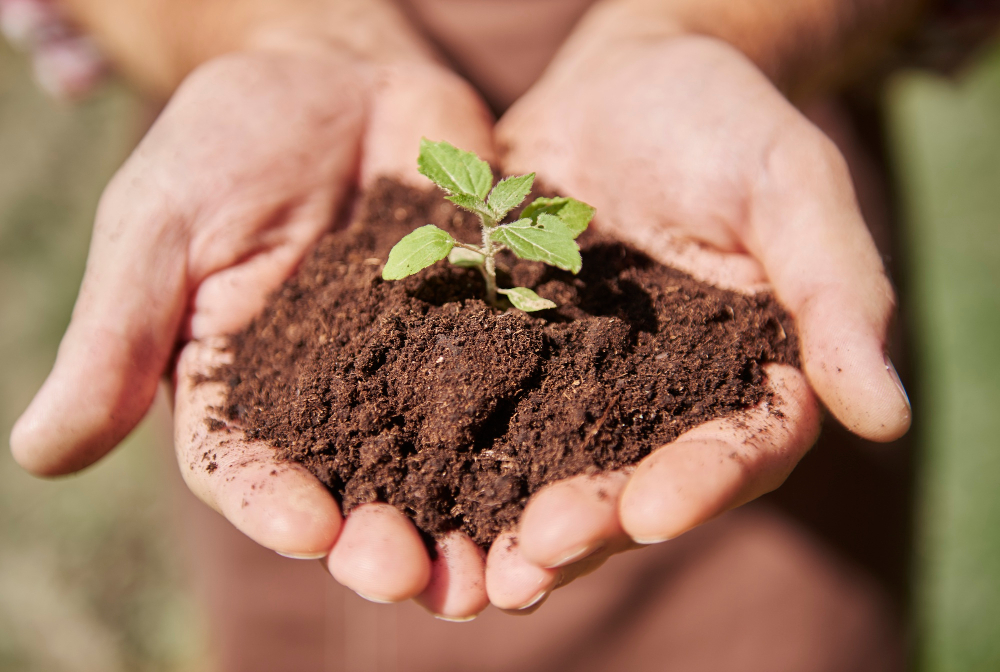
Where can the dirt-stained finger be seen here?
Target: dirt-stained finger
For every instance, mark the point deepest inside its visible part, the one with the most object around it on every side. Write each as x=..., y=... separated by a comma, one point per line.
x=722, y=464
x=514, y=583
x=277, y=504
x=380, y=555
x=457, y=587
x=808, y=231
x=571, y=519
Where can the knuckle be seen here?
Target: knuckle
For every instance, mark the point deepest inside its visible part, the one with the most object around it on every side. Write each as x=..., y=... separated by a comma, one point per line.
x=132, y=203
x=801, y=152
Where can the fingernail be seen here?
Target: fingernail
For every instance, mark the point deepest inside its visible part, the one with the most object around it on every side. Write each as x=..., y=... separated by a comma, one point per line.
x=651, y=540
x=302, y=556
x=456, y=619
x=376, y=600
x=895, y=378
x=535, y=600
x=574, y=556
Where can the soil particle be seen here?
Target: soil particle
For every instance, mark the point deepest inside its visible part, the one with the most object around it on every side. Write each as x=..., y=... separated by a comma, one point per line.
x=418, y=394
x=214, y=424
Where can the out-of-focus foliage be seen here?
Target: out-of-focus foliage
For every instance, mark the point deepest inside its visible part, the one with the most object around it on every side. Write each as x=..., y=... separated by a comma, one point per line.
x=89, y=575
x=947, y=150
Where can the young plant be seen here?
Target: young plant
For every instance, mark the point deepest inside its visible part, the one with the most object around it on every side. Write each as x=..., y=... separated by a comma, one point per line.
x=546, y=231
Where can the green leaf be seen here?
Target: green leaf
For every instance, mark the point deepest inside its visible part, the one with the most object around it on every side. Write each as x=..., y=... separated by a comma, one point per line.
x=542, y=204
x=454, y=170
x=470, y=203
x=548, y=240
x=508, y=194
x=526, y=300
x=463, y=258
x=576, y=215
x=417, y=251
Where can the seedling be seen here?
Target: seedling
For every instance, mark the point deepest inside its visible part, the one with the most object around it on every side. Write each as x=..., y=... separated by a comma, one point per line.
x=546, y=231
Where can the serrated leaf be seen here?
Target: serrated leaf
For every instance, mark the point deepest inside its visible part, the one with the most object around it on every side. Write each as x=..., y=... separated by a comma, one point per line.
x=526, y=300
x=416, y=251
x=548, y=240
x=508, y=194
x=576, y=215
x=470, y=203
x=463, y=258
x=454, y=170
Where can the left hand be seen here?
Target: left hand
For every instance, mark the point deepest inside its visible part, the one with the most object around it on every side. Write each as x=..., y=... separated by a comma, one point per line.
x=690, y=153
x=249, y=164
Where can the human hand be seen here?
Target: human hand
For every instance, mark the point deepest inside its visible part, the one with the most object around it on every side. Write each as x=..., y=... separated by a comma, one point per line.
x=690, y=153
x=254, y=158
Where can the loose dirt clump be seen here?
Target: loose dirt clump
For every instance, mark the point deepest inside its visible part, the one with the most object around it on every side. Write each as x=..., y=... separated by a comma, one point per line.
x=418, y=394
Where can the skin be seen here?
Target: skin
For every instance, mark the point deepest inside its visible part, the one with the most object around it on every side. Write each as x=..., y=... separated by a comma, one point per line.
x=681, y=142
x=762, y=198
x=209, y=215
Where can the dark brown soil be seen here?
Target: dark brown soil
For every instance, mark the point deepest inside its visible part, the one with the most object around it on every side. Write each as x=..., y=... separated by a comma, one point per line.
x=418, y=394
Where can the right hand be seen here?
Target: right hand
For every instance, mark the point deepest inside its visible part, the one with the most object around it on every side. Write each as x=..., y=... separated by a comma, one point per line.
x=252, y=160
x=689, y=152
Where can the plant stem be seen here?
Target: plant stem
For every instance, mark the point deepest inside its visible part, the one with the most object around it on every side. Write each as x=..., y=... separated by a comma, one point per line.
x=489, y=266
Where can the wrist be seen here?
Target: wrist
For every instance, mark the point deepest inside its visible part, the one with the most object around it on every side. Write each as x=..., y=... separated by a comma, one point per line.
x=799, y=46
x=371, y=31
x=158, y=45
x=770, y=35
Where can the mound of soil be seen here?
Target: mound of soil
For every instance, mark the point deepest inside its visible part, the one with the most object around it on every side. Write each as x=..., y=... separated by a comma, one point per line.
x=418, y=394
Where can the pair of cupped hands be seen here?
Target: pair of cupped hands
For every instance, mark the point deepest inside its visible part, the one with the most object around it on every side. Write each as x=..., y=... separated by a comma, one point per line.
x=683, y=146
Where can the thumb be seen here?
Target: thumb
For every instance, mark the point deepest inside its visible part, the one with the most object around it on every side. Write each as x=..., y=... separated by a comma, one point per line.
x=806, y=228
x=414, y=100
x=119, y=340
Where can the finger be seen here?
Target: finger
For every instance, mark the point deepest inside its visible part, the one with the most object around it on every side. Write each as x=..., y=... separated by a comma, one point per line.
x=184, y=207
x=380, y=555
x=595, y=560
x=235, y=290
x=415, y=101
x=807, y=230
x=512, y=581
x=721, y=464
x=571, y=519
x=457, y=587
x=118, y=342
x=278, y=504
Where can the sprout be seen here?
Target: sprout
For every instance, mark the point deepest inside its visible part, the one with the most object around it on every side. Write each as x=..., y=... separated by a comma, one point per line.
x=546, y=231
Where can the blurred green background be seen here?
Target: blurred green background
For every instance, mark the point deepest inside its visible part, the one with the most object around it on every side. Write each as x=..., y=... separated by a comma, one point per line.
x=946, y=146
x=90, y=579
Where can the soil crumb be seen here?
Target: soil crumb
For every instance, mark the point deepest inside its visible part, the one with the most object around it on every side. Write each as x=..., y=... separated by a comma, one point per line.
x=418, y=394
